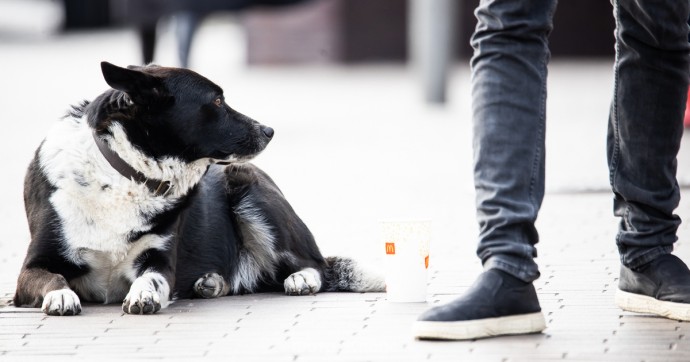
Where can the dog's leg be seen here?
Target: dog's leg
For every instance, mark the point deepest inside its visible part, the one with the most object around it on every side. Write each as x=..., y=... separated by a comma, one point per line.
x=39, y=287
x=211, y=285
x=148, y=294
x=303, y=282
x=152, y=289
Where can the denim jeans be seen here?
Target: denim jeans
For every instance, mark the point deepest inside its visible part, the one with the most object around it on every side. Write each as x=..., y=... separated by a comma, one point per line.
x=509, y=70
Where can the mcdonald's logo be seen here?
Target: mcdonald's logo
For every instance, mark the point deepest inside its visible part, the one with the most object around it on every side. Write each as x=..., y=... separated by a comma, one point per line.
x=390, y=248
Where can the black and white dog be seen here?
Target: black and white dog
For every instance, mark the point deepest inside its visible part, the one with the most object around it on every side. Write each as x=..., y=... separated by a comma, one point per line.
x=143, y=195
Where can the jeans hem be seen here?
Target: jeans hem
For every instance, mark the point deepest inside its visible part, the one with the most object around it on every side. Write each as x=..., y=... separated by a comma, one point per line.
x=521, y=273
x=646, y=257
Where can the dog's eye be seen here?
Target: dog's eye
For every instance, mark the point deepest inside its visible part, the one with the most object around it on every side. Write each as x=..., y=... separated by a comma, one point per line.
x=218, y=102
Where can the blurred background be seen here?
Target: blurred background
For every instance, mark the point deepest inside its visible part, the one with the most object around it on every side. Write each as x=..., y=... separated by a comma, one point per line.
x=369, y=99
x=299, y=31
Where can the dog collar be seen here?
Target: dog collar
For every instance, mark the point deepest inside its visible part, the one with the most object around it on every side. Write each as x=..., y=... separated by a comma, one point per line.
x=157, y=187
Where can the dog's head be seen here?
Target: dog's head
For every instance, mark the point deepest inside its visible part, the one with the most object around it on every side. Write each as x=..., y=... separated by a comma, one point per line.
x=174, y=112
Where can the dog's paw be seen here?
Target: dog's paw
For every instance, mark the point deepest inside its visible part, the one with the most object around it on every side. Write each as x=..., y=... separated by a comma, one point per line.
x=211, y=285
x=147, y=295
x=61, y=302
x=303, y=282
x=141, y=302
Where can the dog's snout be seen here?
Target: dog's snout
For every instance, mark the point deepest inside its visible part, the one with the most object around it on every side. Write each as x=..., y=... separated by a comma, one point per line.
x=267, y=131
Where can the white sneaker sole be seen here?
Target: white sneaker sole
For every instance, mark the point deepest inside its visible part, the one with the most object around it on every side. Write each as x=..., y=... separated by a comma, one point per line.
x=643, y=304
x=481, y=328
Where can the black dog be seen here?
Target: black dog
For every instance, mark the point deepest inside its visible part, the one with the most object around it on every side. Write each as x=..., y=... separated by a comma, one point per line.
x=143, y=196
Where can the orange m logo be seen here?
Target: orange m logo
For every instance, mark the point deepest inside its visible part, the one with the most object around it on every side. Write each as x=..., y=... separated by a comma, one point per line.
x=390, y=248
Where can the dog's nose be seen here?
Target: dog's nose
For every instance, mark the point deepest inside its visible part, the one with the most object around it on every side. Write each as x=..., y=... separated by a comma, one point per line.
x=268, y=131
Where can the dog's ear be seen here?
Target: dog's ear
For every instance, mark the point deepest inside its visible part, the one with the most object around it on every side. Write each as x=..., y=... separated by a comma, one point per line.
x=139, y=86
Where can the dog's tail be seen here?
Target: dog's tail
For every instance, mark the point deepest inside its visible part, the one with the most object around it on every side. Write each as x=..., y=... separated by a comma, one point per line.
x=347, y=275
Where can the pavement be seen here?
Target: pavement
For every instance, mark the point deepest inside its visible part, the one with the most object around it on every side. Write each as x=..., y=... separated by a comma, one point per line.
x=354, y=145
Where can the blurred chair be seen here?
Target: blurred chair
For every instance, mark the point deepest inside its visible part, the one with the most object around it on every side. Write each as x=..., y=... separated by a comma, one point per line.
x=145, y=14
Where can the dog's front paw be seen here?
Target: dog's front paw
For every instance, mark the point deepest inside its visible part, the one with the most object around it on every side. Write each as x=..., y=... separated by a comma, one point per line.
x=61, y=302
x=303, y=282
x=147, y=295
x=211, y=285
x=141, y=302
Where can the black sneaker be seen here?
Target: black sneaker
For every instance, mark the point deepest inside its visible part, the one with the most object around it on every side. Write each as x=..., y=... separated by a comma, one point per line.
x=496, y=304
x=661, y=287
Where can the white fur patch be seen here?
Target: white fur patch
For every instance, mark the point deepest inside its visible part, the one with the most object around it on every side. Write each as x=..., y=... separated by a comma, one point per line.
x=100, y=209
x=61, y=302
x=303, y=282
x=368, y=281
x=148, y=294
x=111, y=277
x=258, y=255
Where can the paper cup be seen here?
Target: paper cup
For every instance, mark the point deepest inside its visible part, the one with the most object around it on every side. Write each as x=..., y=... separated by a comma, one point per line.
x=407, y=259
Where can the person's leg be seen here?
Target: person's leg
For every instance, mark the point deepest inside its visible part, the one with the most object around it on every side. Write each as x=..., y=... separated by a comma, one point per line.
x=147, y=37
x=187, y=23
x=645, y=129
x=509, y=70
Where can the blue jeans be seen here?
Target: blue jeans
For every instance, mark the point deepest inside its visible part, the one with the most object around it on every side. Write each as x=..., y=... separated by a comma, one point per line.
x=509, y=70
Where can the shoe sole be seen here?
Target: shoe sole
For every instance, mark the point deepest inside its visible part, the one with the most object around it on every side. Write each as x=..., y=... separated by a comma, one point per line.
x=644, y=304
x=482, y=328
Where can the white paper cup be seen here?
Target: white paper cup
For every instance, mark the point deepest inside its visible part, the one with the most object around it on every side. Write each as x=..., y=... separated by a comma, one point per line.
x=406, y=246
